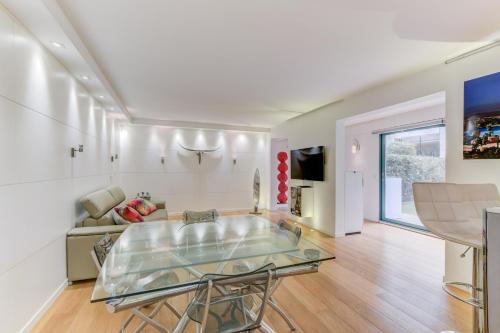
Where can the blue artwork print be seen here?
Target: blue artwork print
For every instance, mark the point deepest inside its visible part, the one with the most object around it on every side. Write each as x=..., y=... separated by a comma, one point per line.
x=482, y=117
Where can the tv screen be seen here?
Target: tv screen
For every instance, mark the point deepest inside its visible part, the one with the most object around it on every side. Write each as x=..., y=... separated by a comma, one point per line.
x=308, y=163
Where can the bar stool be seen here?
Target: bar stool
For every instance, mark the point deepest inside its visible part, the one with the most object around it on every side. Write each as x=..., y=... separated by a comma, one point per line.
x=454, y=212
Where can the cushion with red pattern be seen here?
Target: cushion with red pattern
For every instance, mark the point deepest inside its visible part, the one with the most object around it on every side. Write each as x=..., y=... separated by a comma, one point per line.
x=129, y=214
x=143, y=206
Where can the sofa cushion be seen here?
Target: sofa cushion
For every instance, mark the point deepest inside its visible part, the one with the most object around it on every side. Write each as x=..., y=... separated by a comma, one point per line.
x=160, y=214
x=106, y=219
x=87, y=231
x=129, y=214
x=98, y=203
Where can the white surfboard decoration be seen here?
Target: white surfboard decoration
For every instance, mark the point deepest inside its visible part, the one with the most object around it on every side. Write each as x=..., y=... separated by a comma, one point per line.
x=256, y=192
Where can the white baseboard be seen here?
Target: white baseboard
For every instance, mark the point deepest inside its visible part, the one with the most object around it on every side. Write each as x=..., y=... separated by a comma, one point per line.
x=339, y=234
x=45, y=306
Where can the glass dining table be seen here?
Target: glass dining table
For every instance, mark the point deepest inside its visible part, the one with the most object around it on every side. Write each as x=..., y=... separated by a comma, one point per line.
x=146, y=253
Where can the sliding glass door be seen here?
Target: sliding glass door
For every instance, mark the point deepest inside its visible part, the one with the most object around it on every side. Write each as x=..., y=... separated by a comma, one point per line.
x=406, y=157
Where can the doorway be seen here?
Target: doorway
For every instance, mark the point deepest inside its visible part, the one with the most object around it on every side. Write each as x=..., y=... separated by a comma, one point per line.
x=408, y=156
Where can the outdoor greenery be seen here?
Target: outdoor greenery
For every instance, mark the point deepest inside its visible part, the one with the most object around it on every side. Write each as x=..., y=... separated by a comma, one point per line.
x=403, y=162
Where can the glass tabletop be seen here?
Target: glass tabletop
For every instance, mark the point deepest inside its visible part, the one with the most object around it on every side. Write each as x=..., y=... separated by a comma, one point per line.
x=155, y=256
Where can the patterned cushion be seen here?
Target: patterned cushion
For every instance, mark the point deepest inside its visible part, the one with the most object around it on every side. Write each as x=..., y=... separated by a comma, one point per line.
x=143, y=206
x=129, y=214
x=117, y=218
x=102, y=248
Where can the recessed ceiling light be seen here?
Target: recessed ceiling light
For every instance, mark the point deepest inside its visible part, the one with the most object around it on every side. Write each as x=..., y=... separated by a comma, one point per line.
x=111, y=108
x=85, y=77
x=57, y=44
x=101, y=96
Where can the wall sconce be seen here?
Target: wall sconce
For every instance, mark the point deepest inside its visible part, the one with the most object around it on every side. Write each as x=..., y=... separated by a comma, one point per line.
x=112, y=158
x=116, y=156
x=75, y=150
x=355, y=147
x=162, y=159
x=234, y=159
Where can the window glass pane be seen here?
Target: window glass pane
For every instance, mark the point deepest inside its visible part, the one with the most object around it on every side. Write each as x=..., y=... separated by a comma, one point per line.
x=408, y=157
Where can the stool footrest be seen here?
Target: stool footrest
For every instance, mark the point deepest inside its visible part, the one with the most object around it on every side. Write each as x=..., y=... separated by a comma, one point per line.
x=471, y=301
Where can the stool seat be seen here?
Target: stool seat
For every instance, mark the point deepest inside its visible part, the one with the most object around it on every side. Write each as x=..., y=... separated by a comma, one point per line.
x=469, y=233
x=454, y=211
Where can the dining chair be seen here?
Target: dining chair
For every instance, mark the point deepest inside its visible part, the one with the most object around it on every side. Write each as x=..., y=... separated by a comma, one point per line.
x=454, y=212
x=294, y=233
x=137, y=303
x=191, y=216
x=232, y=303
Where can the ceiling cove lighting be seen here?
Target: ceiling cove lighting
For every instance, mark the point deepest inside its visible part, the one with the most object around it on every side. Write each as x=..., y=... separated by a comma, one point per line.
x=57, y=44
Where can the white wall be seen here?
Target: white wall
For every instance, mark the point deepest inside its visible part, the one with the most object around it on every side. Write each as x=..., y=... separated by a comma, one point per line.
x=315, y=129
x=43, y=112
x=367, y=160
x=319, y=127
x=181, y=181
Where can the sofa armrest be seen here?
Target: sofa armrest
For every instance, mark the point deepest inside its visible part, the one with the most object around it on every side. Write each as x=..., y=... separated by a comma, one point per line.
x=79, y=243
x=160, y=204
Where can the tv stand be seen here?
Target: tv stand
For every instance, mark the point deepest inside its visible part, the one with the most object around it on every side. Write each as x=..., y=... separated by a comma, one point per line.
x=302, y=201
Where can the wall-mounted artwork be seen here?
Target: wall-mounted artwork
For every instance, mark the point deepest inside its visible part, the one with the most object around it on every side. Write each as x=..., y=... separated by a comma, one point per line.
x=482, y=117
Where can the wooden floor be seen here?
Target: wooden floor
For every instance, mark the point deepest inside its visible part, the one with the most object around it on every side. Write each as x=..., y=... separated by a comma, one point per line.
x=385, y=280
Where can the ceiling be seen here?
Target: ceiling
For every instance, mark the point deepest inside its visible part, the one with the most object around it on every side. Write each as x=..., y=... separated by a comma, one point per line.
x=261, y=62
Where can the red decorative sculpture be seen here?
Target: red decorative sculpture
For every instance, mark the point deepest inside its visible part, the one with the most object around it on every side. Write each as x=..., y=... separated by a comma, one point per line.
x=282, y=177
x=282, y=198
x=282, y=156
x=282, y=167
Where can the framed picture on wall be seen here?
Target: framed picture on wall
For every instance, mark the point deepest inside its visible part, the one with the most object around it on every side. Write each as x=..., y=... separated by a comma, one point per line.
x=482, y=117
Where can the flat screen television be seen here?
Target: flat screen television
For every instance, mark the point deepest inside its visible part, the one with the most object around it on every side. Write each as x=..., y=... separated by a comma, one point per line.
x=308, y=163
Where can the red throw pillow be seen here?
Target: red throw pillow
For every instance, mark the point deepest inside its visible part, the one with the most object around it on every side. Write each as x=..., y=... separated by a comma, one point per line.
x=135, y=202
x=129, y=214
x=143, y=206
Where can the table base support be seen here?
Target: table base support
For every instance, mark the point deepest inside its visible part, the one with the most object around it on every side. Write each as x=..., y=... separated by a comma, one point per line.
x=282, y=313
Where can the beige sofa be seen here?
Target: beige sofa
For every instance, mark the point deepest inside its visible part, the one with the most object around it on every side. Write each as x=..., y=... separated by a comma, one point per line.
x=79, y=241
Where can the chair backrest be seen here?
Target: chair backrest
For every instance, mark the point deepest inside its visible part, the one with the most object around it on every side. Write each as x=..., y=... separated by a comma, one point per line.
x=222, y=303
x=100, y=250
x=191, y=216
x=449, y=202
x=295, y=231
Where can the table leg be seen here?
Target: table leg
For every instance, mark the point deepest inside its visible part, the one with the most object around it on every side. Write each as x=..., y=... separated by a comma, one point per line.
x=266, y=328
x=282, y=313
